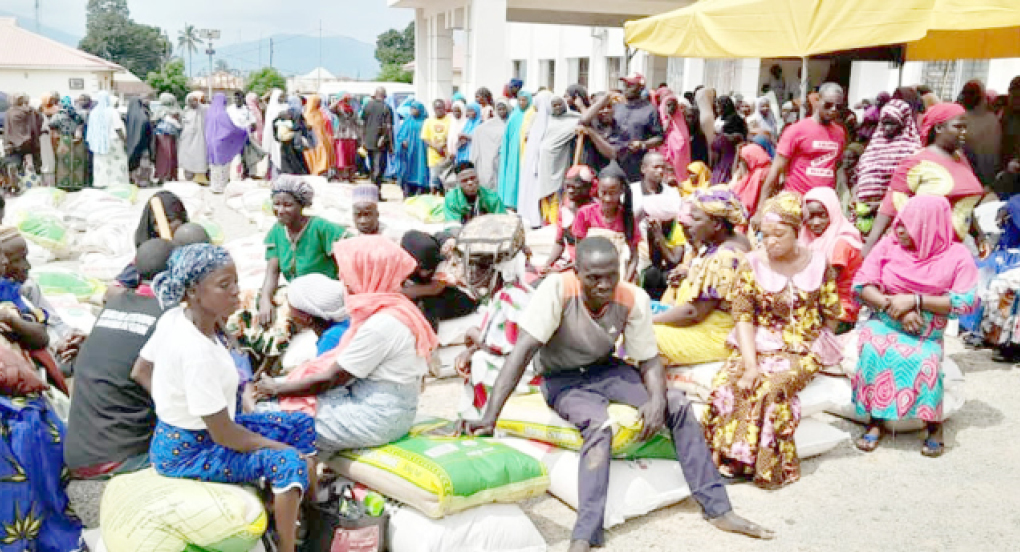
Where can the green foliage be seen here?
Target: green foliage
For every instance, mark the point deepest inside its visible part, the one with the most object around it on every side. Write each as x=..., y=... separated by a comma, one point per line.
x=112, y=35
x=394, y=73
x=264, y=80
x=188, y=41
x=170, y=78
x=395, y=47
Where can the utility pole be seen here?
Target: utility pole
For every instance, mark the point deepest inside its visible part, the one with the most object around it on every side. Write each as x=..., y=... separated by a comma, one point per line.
x=38, y=25
x=318, y=72
x=260, y=50
x=270, y=52
x=210, y=35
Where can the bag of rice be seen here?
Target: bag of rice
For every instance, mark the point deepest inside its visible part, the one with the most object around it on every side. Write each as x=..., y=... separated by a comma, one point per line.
x=426, y=208
x=529, y=417
x=146, y=511
x=492, y=528
x=56, y=281
x=442, y=475
x=45, y=229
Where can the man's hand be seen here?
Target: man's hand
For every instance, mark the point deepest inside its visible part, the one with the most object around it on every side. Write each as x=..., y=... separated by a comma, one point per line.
x=653, y=414
x=67, y=351
x=265, y=311
x=479, y=428
x=636, y=146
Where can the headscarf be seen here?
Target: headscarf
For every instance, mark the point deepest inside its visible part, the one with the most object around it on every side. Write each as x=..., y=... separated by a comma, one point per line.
x=839, y=227
x=939, y=114
x=319, y=157
x=318, y=295
x=187, y=266
x=766, y=123
x=100, y=124
x=456, y=126
x=510, y=154
x=423, y=247
x=167, y=106
x=677, y=145
x=929, y=100
x=556, y=154
x=732, y=121
x=252, y=101
x=138, y=128
x=67, y=120
x=294, y=104
x=575, y=91
x=296, y=186
x=173, y=208
x=485, y=145
x=269, y=143
x=585, y=174
x=700, y=178
x=939, y=264
x=470, y=124
x=758, y=163
x=528, y=193
x=719, y=201
x=786, y=208
x=1011, y=230
x=883, y=155
x=223, y=139
x=411, y=163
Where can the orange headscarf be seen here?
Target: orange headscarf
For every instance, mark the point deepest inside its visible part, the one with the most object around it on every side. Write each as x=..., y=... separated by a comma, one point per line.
x=748, y=188
x=373, y=268
x=318, y=158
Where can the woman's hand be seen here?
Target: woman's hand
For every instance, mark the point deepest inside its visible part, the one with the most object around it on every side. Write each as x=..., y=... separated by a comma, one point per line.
x=677, y=275
x=913, y=323
x=266, y=388
x=463, y=363
x=900, y=305
x=749, y=378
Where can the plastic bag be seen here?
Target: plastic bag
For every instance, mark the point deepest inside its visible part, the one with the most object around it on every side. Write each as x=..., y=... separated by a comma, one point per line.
x=426, y=208
x=56, y=281
x=45, y=229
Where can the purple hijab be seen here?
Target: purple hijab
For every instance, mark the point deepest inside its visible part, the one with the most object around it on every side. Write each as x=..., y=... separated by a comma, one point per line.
x=224, y=141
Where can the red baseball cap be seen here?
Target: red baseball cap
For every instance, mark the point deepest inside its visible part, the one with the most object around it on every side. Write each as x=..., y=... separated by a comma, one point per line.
x=634, y=78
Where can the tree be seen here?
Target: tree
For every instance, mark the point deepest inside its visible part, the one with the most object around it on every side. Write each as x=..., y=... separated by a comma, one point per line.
x=170, y=78
x=395, y=47
x=264, y=80
x=394, y=73
x=187, y=42
x=112, y=35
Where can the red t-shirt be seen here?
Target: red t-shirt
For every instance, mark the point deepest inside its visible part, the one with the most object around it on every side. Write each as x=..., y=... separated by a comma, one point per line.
x=590, y=216
x=847, y=258
x=812, y=150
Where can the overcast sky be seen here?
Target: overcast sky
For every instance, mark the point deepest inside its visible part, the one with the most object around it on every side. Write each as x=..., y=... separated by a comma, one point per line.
x=239, y=20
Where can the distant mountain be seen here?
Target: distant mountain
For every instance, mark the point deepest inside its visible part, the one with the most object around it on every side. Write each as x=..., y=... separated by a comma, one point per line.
x=296, y=55
x=62, y=37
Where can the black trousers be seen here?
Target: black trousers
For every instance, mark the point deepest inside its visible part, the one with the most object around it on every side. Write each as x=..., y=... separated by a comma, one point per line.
x=451, y=303
x=379, y=159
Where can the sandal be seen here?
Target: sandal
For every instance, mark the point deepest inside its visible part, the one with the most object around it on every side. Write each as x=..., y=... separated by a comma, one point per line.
x=868, y=442
x=932, y=448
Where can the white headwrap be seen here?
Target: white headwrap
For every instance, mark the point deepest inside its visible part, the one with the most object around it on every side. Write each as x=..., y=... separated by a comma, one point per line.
x=319, y=296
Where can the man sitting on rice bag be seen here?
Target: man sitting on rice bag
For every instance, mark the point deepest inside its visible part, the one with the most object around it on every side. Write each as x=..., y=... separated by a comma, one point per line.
x=573, y=323
x=112, y=417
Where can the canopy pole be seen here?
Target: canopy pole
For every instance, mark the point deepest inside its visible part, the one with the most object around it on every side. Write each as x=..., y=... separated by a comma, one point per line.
x=900, y=81
x=803, y=86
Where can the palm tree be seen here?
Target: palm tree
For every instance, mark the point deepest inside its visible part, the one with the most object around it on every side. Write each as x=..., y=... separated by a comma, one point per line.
x=188, y=41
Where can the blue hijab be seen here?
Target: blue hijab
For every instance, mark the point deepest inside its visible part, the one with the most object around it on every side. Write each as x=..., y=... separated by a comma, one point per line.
x=464, y=152
x=1011, y=229
x=411, y=161
x=398, y=121
x=510, y=160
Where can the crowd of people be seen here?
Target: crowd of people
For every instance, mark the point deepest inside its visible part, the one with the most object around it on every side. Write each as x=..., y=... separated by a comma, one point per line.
x=689, y=229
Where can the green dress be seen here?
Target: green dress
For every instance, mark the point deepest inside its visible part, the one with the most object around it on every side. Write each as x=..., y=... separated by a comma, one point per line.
x=310, y=253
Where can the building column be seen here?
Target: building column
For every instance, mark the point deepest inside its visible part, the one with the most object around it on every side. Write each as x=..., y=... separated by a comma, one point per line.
x=421, y=55
x=487, y=61
x=441, y=58
x=597, y=66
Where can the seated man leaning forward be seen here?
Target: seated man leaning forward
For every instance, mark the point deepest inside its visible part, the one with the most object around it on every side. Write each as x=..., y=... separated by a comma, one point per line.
x=469, y=200
x=573, y=323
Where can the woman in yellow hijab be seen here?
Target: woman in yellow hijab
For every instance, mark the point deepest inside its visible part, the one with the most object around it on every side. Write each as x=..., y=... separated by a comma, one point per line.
x=701, y=177
x=319, y=157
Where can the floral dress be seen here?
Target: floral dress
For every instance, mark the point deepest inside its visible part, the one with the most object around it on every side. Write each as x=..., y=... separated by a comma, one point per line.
x=751, y=432
x=499, y=332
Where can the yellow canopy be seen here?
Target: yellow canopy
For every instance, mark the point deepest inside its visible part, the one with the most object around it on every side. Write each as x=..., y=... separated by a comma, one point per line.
x=970, y=29
x=932, y=29
x=778, y=28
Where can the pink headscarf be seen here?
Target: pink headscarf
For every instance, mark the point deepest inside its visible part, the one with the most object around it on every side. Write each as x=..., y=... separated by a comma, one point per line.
x=748, y=189
x=839, y=227
x=939, y=264
x=252, y=100
x=373, y=268
x=883, y=154
x=677, y=146
x=937, y=114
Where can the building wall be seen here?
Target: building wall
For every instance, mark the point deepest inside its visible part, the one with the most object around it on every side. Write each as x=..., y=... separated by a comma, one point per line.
x=36, y=82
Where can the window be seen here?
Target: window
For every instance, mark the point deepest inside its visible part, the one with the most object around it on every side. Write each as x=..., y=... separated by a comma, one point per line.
x=722, y=75
x=547, y=73
x=582, y=72
x=521, y=69
x=614, y=70
x=946, y=78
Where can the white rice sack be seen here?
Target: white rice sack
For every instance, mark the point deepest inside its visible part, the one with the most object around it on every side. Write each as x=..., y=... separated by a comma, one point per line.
x=302, y=348
x=74, y=313
x=36, y=200
x=113, y=214
x=822, y=393
x=814, y=438
x=39, y=255
x=105, y=267
x=109, y=240
x=492, y=528
x=454, y=331
x=84, y=204
x=694, y=380
x=636, y=487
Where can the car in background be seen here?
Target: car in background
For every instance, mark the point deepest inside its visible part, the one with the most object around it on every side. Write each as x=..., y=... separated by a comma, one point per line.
x=4, y=106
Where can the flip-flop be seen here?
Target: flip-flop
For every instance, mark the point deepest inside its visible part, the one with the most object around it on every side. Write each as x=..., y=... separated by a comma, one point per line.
x=869, y=442
x=932, y=448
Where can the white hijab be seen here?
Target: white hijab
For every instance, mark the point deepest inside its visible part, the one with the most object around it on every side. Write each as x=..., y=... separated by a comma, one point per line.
x=269, y=143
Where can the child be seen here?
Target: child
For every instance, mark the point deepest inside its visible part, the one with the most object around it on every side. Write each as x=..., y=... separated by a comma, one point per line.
x=612, y=216
x=578, y=185
x=828, y=232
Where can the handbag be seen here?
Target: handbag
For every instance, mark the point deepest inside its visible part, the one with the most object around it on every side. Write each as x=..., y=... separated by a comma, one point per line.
x=341, y=524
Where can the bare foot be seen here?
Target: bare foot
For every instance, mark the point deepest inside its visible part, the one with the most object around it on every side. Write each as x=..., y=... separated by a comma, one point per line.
x=579, y=546
x=732, y=523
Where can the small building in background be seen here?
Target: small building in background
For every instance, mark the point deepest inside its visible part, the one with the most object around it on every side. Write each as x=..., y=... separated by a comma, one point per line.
x=222, y=81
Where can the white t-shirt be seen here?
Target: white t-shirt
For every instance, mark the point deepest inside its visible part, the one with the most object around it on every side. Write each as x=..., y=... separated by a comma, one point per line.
x=383, y=349
x=192, y=375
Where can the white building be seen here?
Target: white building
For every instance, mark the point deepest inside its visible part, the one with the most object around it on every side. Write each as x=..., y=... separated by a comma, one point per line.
x=35, y=65
x=555, y=43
